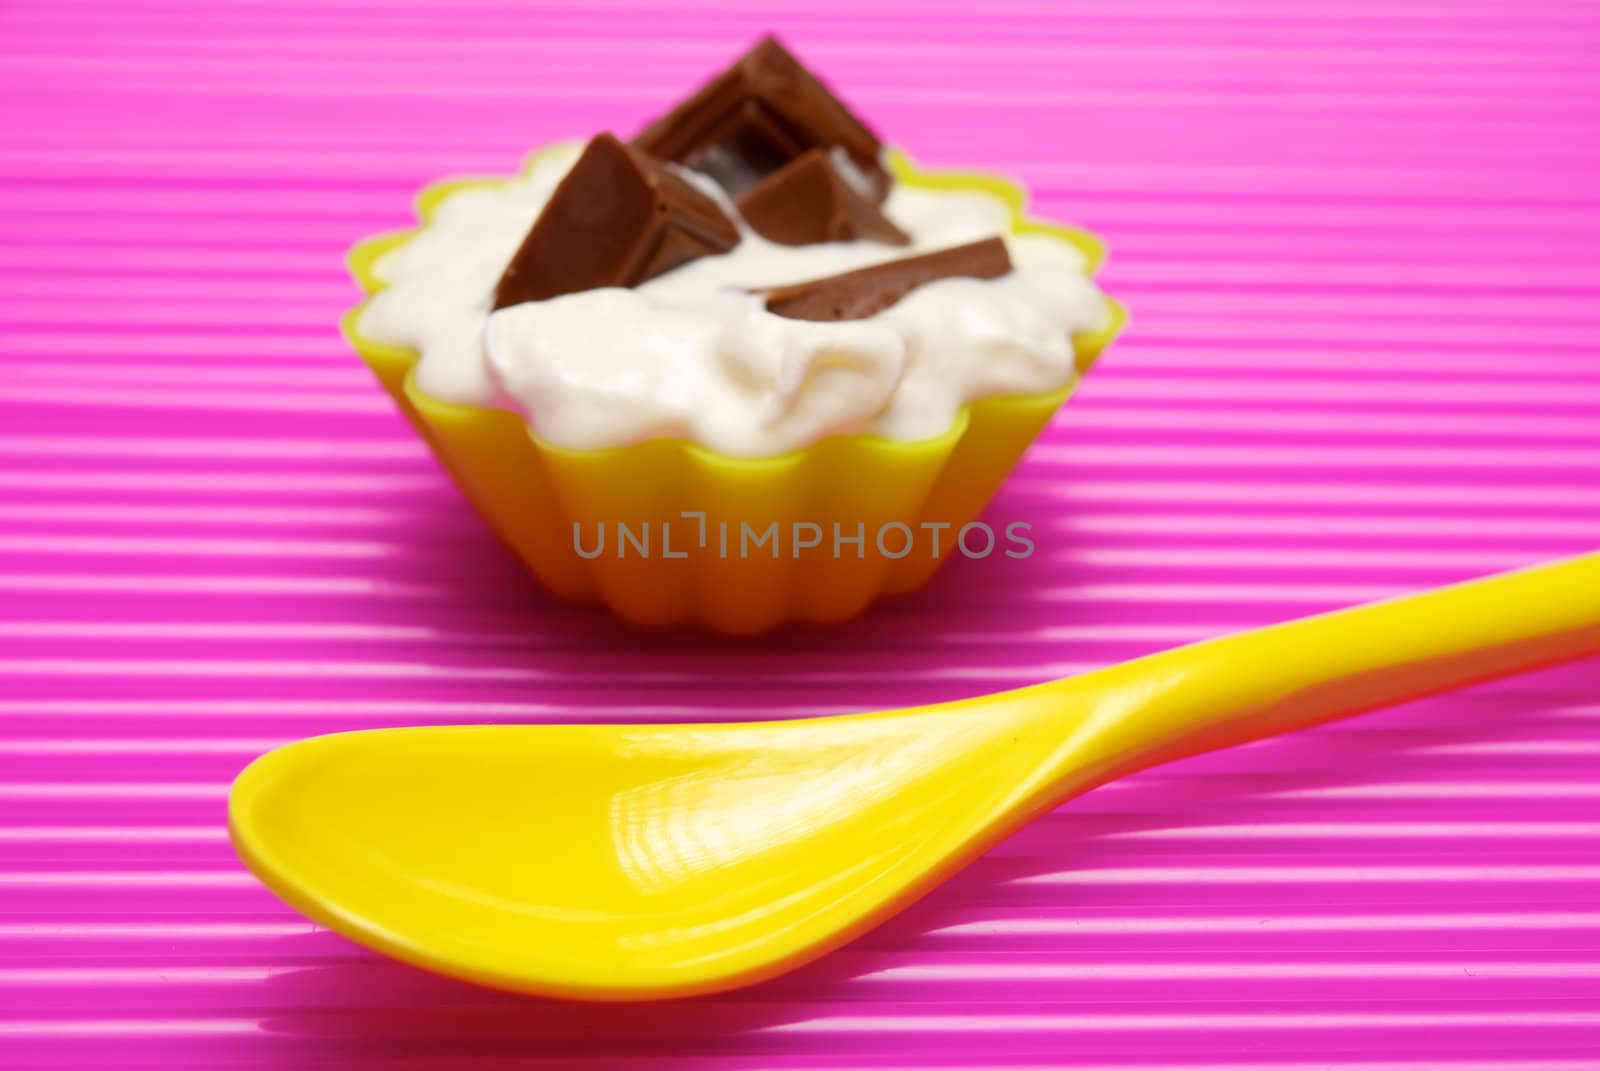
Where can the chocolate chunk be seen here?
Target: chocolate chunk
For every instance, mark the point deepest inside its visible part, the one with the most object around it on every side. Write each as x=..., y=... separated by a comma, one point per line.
x=855, y=295
x=617, y=219
x=809, y=201
x=757, y=116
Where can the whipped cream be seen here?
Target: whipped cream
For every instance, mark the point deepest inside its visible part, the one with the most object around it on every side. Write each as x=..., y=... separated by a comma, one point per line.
x=693, y=354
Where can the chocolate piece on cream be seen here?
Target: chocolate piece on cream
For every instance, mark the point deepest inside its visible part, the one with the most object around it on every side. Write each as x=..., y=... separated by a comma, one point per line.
x=855, y=295
x=618, y=218
x=809, y=201
x=757, y=116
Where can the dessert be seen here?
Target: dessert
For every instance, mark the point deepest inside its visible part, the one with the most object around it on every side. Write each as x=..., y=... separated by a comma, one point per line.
x=750, y=313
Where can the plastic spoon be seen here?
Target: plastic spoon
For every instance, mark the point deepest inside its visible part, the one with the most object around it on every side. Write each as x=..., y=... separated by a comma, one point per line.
x=628, y=862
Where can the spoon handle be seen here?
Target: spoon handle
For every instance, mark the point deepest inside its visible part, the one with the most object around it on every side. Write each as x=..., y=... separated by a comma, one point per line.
x=1258, y=684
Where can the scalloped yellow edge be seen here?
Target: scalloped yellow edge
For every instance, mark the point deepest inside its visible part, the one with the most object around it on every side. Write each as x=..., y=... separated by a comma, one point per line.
x=532, y=492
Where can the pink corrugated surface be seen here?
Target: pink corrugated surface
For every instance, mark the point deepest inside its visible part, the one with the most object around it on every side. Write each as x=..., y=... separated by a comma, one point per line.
x=1360, y=243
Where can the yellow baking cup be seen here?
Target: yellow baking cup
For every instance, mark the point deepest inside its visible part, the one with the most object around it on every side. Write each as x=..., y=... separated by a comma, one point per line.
x=694, y=537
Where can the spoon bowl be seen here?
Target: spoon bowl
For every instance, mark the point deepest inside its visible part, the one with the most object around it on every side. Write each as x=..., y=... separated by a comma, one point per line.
x=680, y=858
x=626, y=862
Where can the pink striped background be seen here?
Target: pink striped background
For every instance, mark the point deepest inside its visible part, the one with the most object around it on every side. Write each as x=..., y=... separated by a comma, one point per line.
x=1359, y=242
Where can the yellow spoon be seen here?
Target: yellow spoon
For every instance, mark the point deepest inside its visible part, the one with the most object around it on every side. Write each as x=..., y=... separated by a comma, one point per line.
x=628, y=862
